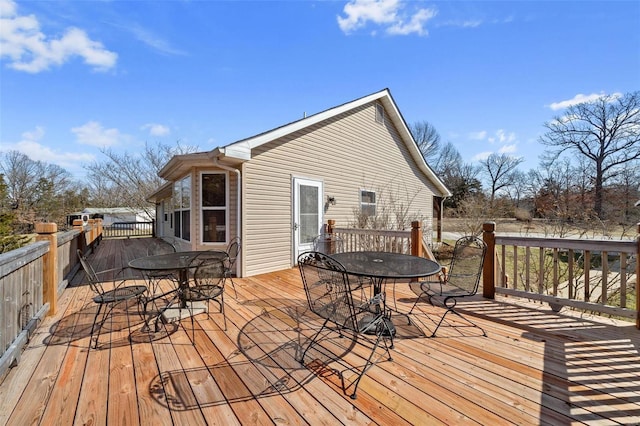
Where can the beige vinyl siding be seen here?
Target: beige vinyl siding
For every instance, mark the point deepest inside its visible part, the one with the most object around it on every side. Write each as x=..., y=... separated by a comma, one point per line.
x=347, y=153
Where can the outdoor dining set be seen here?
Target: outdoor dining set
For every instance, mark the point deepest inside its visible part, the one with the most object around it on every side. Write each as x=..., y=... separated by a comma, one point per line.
x=347, y=290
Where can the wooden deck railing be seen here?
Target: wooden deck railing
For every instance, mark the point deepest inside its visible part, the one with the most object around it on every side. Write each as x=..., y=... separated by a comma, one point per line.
x=32, y=277
x=129, y=229
x=357, y=239
x=592, y=275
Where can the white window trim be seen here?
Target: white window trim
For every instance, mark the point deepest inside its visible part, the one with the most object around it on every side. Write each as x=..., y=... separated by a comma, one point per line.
x=374, y=204
x=201, y=208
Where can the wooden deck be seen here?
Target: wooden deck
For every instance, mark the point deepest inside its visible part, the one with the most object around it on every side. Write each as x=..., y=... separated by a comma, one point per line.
x=535, y=366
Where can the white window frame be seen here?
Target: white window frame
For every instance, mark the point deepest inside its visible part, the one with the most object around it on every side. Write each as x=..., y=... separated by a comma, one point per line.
x=374, y=204
x=225, y=208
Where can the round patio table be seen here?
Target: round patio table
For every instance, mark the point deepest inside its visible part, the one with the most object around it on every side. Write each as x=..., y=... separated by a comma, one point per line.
x=180, y=261
x=380, y=265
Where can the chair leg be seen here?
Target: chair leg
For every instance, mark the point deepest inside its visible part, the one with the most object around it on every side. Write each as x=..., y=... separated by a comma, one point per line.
x=369, y=363
x=313, y=340
x=451, y=309
x=93, y=326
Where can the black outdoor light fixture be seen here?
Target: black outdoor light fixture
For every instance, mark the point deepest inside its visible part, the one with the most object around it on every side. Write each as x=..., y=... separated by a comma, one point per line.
x=331, y=200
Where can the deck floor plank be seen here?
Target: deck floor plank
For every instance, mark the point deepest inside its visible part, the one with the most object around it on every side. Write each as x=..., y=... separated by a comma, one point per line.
x=535, y=367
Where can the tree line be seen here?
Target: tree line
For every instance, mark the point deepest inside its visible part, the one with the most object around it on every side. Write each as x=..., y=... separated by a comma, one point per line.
x=589, y=172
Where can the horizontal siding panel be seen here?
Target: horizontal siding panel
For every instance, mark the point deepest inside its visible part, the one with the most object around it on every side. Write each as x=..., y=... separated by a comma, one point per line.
x=345, y=154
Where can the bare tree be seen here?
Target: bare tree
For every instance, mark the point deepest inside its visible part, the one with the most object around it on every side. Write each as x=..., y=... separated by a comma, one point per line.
x=125, y=180
x=605, y=131
x=428, y=140
x=499, y=169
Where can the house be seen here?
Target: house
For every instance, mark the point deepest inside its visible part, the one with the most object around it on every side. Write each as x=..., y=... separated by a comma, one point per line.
x=275, y=190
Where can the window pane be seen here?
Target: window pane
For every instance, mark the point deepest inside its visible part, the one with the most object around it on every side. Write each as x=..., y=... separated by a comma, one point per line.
x=368, y=196
x=214, y=190
x=369, y=209
x=176, y=229
x=186, y=225
x=186, y=193
x=215, y=226
x=309, y=214
x=308, y=199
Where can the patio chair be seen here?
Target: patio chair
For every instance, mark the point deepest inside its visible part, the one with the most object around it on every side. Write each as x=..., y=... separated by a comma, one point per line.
x=208, y=285
x=233, y=250
x=459, y=280
x=326, y=286
x=328, y=244
x=155, y=277
x=108, y=299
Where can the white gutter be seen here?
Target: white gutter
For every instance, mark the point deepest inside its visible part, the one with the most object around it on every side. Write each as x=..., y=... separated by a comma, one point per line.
x=238, y=199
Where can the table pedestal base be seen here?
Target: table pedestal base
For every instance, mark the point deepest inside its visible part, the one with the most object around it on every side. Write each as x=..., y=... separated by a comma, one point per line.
x=176, y=314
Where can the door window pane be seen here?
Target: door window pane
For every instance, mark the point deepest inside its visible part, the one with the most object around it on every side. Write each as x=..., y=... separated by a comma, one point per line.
x=309, y=214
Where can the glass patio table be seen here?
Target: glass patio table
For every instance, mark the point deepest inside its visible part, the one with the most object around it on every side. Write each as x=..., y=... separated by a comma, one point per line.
x=380, y=266
x=181, y=262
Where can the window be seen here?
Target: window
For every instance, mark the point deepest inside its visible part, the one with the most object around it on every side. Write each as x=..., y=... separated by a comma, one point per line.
x=182, y=208
x=367, y=202
x=214, y=207
x=379, y=113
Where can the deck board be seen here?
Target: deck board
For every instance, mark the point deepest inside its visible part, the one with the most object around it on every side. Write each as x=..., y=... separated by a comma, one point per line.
x=535, y=367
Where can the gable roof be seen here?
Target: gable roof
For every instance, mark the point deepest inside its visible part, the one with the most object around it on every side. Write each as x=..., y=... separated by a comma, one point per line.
x=240, y=151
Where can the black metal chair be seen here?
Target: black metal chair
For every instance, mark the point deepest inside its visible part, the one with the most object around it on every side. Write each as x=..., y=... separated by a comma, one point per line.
x=108, y=299
x=208, y=285
x=233, y=251
x=156, y=277
x=326, y=285
x=459, y=280
x=328, y=244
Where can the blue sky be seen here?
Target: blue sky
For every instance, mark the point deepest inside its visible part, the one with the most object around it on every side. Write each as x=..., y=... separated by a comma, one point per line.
x=77, y=76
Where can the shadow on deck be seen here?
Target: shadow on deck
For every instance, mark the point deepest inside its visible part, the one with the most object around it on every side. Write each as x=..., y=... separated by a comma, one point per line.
x=535, y=367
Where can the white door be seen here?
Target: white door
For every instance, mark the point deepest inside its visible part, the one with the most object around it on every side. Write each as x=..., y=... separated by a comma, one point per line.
x=307, y=214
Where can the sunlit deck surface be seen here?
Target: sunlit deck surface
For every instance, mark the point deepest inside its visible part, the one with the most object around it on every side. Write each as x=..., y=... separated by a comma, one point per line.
x=535, y=366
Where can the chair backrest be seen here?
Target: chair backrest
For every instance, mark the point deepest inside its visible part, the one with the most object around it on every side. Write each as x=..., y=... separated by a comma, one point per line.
x=210, y=271
x=160, y=247
x=233, y=250
x=90, y=273
x=465, y=268
x=328, y=244
x=326, y=285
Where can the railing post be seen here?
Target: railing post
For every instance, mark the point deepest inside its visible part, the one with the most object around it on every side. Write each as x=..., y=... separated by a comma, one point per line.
x=331, y=223
x=416, y=238
x=489, y=267
x=47, y=232
x=638, y=277
x=82, y=239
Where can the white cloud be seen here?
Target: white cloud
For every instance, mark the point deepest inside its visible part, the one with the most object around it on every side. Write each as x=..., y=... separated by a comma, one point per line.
x=156, y=129
x=474, y=23
x=31, y=146
x=30, y=50
x=482, y=134
x=502, y=136
x=92, y=133
x=481, y=156
x=580, y=98
x=508, y=149
x=153, y=40
x=389, y=14
x=416, y=23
